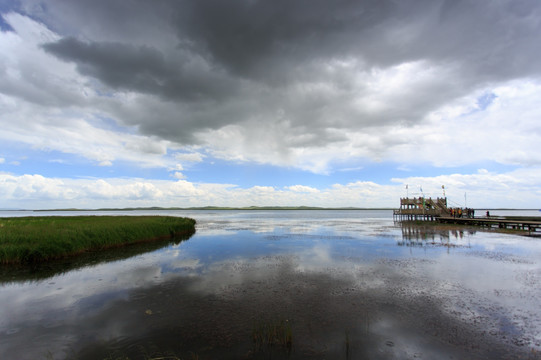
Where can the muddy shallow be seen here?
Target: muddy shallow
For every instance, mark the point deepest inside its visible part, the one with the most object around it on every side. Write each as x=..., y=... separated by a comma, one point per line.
x=289, y=284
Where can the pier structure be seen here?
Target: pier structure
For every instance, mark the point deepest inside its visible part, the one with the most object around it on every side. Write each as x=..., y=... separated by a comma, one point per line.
x=533, y=226
x=421, y=208
x=428, y=209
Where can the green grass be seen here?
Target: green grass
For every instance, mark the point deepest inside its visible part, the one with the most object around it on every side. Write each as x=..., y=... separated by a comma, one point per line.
x=39, y=239
x=273, y=334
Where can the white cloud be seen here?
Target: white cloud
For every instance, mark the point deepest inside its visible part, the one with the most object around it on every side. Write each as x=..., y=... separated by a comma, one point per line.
x=460, y=133
x=177, y=167
x=514, y=189
x=118, y=190
x=47, y=105
x=262, y=189
x=34, y=188
x=2, y=160
x=179, y=175
x=105, y=163
x=146, y=145
x=189, y=157
x=302, y=189
x=183, y=189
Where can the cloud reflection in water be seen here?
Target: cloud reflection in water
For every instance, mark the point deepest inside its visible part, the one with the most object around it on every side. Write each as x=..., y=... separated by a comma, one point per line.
x=333, y=278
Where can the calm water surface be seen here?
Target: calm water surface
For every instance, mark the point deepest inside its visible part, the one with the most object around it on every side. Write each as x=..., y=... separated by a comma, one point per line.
x=284, y=284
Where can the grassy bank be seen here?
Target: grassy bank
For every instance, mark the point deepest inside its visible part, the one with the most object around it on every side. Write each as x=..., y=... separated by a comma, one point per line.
x=38, y=239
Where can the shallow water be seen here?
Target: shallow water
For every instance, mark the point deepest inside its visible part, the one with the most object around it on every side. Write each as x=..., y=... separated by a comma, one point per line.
x=285, y=284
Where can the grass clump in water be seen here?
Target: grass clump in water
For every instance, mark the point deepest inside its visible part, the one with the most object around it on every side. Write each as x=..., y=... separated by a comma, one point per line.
x=39, y=239
x=268, y=334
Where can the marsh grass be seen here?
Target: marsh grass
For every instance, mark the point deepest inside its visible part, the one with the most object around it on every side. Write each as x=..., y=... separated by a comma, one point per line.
x=347, y=342
x=269, y=334
x=39, y=239
x=157, y=356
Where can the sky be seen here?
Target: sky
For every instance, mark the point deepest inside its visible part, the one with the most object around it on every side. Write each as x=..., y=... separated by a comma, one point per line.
x=180, y=103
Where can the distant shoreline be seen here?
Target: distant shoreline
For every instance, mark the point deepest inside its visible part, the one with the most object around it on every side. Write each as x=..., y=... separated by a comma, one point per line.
x=220, y=208
x=155, y=208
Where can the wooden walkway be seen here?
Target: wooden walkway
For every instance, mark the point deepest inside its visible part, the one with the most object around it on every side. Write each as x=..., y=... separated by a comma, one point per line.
x=495, y=222
x=415, y=214
x=428, y=209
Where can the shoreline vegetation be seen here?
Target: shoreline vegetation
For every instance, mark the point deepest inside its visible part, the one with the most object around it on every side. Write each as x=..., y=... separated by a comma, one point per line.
x=219, y=208
x=37, y=239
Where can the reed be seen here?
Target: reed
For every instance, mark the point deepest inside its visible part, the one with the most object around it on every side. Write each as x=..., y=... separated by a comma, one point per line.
x=39, y=239
x=347, y=344
x=273, y=334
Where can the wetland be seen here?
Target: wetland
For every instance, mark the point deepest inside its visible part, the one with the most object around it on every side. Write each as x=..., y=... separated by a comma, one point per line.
x=348, y=284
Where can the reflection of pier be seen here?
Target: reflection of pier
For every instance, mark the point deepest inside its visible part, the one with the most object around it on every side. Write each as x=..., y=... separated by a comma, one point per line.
x=415, y=235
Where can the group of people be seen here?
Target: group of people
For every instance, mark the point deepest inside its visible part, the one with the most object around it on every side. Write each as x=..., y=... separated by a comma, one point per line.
x=459, y=212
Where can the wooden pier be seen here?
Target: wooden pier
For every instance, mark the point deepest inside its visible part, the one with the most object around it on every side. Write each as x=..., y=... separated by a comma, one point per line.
x=428, y=209
x=425, y=209
x=515, y=223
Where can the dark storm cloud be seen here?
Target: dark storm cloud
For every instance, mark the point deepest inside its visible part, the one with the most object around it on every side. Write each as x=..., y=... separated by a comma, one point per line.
x=269, y=40
x=253, y=38
x=307, y=65
x=137, y=68
x=250, y=37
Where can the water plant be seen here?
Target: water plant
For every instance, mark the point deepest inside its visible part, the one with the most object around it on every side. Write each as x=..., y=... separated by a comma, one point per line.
x=347, y=344
x=39, y=239
x=268, y=334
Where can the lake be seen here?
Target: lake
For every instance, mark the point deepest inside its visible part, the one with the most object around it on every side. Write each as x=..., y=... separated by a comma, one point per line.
x=283, y=284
